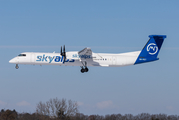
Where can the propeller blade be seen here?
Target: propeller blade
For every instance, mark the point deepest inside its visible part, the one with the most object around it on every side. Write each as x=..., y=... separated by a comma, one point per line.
x=61, y=50
x=63, y=54
x=64, y=59
x=64, y=48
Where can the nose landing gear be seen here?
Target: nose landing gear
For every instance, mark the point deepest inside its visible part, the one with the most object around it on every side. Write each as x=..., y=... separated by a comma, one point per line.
x=16, y=66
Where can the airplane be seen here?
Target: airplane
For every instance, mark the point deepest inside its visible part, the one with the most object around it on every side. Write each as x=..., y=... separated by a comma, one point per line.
x=86, y=57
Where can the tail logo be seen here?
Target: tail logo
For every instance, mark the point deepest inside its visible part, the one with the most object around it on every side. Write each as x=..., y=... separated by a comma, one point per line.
x=152, y=48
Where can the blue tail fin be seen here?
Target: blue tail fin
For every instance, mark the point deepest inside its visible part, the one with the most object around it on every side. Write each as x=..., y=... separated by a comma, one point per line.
x=151, y=49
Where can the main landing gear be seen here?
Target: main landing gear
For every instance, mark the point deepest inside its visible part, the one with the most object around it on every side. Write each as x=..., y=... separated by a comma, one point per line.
x=16, y=66
x=84, y=67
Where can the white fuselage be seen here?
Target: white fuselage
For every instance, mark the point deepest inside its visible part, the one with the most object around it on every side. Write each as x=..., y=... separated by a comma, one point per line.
x=73, y=59
x=86, y=57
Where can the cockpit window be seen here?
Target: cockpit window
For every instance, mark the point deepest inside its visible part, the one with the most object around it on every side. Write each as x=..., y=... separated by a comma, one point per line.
x=22, y=55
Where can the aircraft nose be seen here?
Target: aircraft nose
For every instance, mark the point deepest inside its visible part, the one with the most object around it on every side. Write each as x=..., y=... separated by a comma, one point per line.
x=12, y=61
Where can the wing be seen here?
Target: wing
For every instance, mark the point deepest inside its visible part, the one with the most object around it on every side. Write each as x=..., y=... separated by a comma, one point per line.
x=86, y=53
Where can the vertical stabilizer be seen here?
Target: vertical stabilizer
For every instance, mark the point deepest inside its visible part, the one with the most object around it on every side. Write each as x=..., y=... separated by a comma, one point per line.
x=151, y=49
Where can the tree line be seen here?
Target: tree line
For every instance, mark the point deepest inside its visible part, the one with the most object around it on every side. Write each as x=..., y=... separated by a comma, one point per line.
x=61, y=109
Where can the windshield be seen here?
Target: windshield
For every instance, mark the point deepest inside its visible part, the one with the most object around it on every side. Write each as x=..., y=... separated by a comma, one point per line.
x=22, y=55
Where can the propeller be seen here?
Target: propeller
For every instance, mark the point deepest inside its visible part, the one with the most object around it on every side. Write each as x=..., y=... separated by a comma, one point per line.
x=63, y=53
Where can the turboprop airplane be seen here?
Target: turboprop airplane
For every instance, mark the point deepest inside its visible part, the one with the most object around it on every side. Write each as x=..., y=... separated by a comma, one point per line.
x=86, y=57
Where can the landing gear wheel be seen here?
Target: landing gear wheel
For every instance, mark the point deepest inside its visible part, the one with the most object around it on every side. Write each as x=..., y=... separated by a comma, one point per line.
x=86, y=69
x=82, y=70
x=16, y=66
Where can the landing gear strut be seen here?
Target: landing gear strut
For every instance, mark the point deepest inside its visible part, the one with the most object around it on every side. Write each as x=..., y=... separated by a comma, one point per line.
x=84, y=67
x=16, y=66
